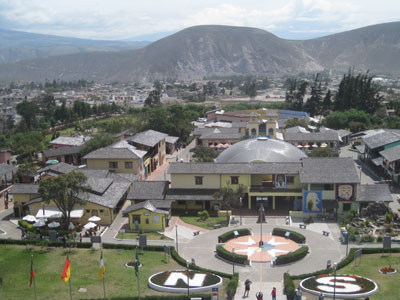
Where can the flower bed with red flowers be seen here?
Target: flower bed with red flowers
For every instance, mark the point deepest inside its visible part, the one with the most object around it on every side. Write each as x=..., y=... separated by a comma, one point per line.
x=387, y=270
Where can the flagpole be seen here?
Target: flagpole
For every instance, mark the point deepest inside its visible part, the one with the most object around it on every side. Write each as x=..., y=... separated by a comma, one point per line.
x=34, y=283
x=104, y=285
x=70, y=289
x=138, y=283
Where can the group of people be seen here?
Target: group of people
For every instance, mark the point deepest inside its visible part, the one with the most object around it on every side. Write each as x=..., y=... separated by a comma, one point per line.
x=259, y=295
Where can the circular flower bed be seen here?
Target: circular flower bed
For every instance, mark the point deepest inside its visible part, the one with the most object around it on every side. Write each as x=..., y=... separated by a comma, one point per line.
x=344, y=286
x=177, y=281
x=388, y=270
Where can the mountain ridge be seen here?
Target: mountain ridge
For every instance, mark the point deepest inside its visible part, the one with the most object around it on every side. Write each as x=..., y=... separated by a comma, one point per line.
x=209, y=50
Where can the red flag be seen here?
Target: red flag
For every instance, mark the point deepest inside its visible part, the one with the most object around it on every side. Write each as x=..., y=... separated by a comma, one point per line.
x=32, y=273
x=66, y=271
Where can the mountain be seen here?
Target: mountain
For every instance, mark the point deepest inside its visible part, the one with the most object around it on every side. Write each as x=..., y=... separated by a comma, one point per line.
x=209, y=50
x=18, y=45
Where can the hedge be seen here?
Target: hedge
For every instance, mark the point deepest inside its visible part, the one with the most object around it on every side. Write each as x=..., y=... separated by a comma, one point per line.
x=294, y=236
x=133, y=247
x=288, y=286
x=181, y=261
x=292, y=256
x=227, y=255
x=230, y=235
x=232, y=286
x=43, y=243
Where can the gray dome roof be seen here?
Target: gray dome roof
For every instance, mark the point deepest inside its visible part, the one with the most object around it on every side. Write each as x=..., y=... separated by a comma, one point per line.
x=261, y=149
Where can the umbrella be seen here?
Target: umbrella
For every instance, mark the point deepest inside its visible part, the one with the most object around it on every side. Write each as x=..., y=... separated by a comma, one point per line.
x=52, y=162
x=29, y=218
x=39, y=223
x=89, y=225
x=299, y=146
x=53, y=224
x=71, y=226
x=94, y=219
x=315, y=146
x=306, y=146
x=324, y=145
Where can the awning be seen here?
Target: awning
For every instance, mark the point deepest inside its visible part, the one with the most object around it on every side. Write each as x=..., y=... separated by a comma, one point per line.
x=377, y=161
x=54, y=213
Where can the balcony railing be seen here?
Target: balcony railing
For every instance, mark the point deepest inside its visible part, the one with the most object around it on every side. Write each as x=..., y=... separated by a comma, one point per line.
x=271, y=188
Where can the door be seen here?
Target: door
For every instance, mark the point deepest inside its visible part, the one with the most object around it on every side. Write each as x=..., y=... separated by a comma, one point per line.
x=207, y=205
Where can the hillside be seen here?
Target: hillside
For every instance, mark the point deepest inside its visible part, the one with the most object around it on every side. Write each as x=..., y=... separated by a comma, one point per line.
x=17, y=45
x=201, y=51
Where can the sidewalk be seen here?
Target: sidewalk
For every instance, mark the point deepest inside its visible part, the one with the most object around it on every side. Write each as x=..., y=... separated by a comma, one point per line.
x=266, y=288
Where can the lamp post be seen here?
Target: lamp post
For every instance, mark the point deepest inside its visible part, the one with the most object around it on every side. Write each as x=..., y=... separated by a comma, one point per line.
x=187, y=270
x=334, y=280
x=240, y=201
x=261, y=243
x=233, y=261
x=176, y=239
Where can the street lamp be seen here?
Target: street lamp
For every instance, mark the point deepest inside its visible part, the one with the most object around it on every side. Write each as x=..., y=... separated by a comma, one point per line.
x=334, y=280
x=233, y=261
x=240, y=201
x=176, y=239
x=261, y=243
x=187, y=276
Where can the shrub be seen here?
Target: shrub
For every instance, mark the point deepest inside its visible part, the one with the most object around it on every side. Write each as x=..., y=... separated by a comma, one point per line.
x=232, y=286
x=42, y=243
x=368, y=238
x=289, y=287
x=292, y=256
x=162, y=297
x=379, y=239
x=133, y=247
x=237, y=258
x=230, y=235
x=203, y=215
x=294, y=236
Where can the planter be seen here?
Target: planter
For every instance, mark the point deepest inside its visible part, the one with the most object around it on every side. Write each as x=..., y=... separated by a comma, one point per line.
x=387, y=270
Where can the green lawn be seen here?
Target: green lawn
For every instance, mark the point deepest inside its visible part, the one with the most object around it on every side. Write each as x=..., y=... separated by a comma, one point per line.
x=134, y=236
x=207, y=224
x=119, y=280
x=369, y=266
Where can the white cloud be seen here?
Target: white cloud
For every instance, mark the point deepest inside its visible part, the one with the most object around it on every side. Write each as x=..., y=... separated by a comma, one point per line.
x=119, y=19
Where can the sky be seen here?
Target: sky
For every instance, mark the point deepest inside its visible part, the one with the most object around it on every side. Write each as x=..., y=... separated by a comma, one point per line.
x=126, y=19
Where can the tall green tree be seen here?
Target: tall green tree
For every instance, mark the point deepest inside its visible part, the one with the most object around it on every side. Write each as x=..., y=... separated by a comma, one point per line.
x=204, y=154
x=314, y=103
x=358, y=92
x=98, y=141
x=28, y=111
x=296, y=90
x=230, y=197
x=327, y=103
x=153, y=99
x=66, y=191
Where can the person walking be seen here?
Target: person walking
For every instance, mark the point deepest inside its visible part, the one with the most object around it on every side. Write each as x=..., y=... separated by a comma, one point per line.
x=247, y=284
x=299, y=293
x=273, y=293
x=259, y=296
x=321, y=296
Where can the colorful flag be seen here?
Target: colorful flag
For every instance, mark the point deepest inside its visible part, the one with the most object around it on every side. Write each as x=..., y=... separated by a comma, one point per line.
x=66, y=274
x=32, y=273
x=137, y=263
x=102, y=267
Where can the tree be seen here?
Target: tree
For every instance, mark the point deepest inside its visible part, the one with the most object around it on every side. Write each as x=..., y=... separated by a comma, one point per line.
x=295, y=122
x=326, y=103
x=153, y=99
x=66, y=191
x=313, y=104
x=230, y=197
x=358, y=92
x=295, y=93
x=321, y=152
x=98, y=141
x=28, y=111
x=204, y=154
x=342, y=120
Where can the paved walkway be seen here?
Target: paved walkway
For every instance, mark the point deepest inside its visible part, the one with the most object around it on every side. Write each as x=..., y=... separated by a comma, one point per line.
x=10, y=229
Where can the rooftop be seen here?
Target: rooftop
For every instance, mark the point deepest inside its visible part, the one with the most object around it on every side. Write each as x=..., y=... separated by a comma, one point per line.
x=70, y=140
x=148, y=138
x=374, y=193
x=62, y=151
x=328, y=135
x=24, y=188
x=148, y=190
x=379, y=140
x=391, y=154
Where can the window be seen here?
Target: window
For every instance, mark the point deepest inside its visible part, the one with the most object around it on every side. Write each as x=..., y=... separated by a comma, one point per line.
x=271, y=132
x=113, y=165
x=101, y=212
x=88, y=211
x=95, y=212
x=128, y=165
x=180, y=202
x=290, y=179
x=156, y=219
x=234, y=179
x=147, y=221
x=198, y=180
x=329, y=187
x=199, y=203
x=346, y=206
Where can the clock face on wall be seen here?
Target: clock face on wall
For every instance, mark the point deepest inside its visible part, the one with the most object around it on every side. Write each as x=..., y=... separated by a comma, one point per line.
x=345, y=192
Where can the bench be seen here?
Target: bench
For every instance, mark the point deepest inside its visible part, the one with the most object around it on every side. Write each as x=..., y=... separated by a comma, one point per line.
x=216, y=226
x=326, y=233
x=196, y=233
x=302, y=226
